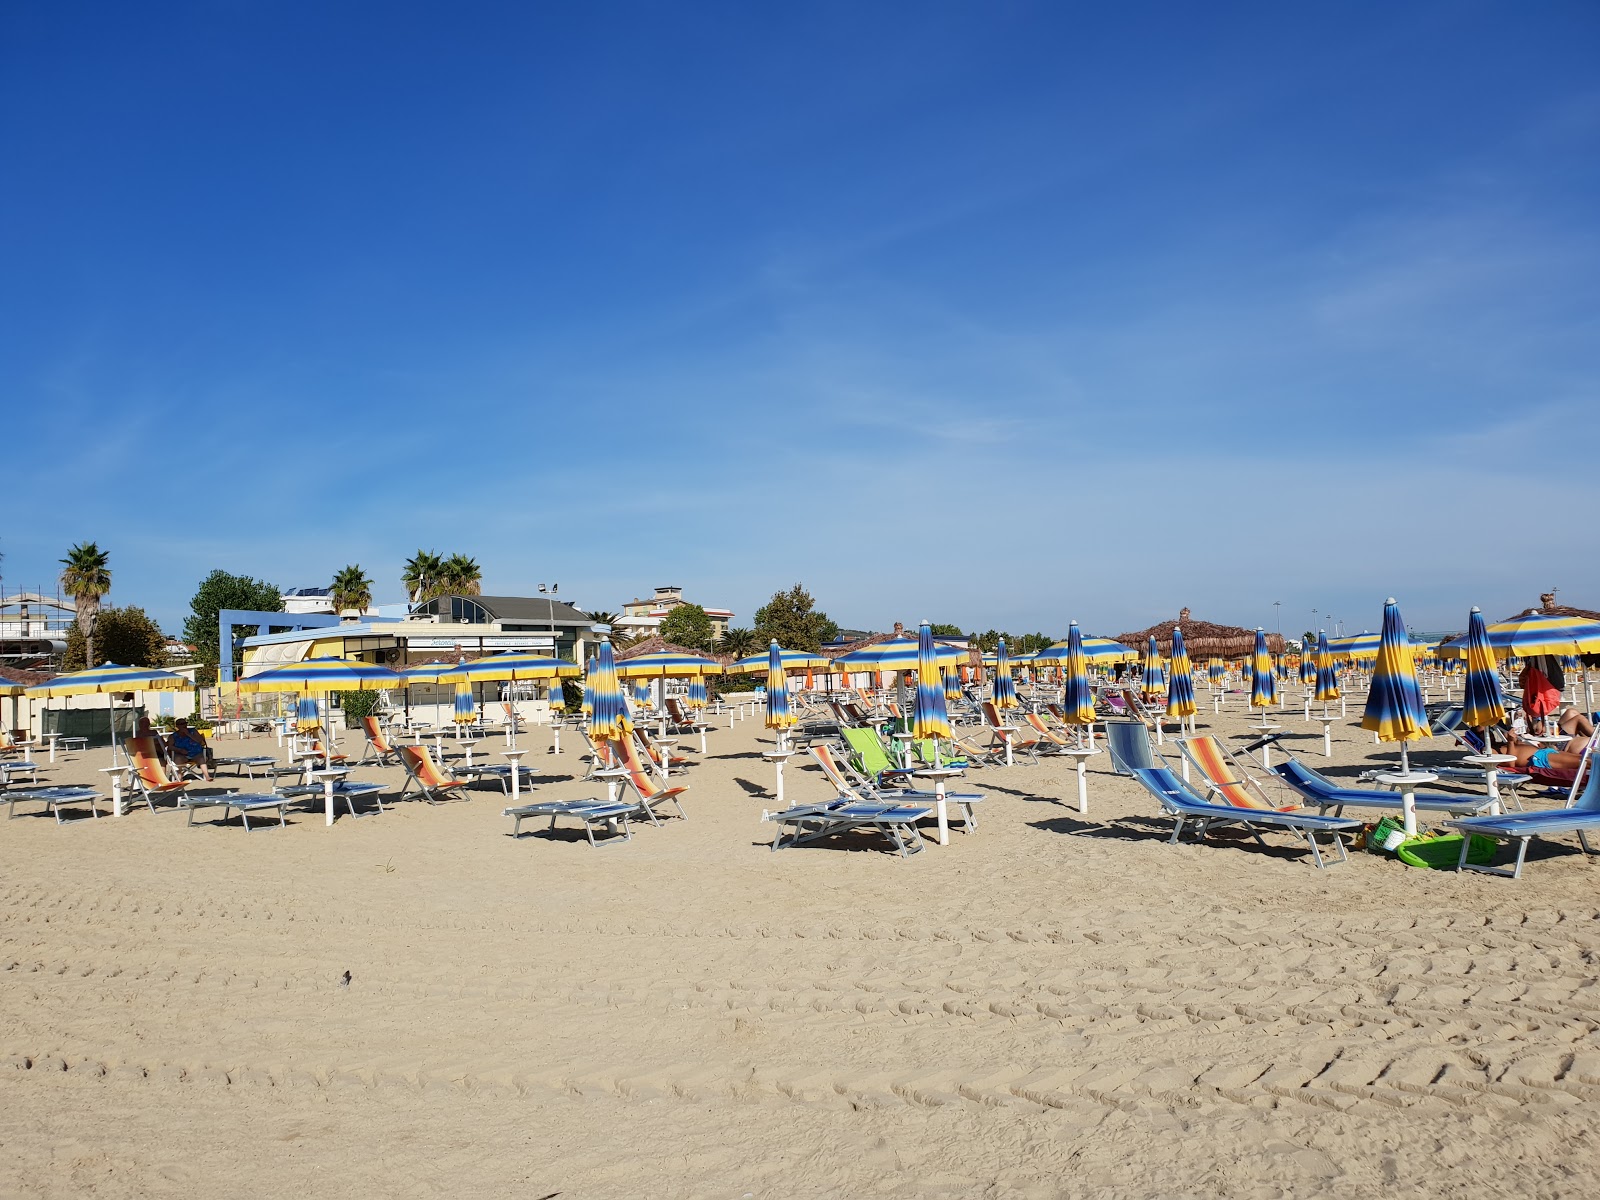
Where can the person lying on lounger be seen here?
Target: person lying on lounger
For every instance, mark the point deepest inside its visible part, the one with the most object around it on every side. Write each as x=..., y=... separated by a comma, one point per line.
x=1547, y=758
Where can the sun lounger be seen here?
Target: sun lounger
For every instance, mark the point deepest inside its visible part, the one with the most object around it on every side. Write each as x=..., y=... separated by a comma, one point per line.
x=246, y=764
x=869, y=758
x=1581, y=816
x=591, y=814
x=812, y=822
x=1187, y=810
x=862, y=790
x=313, y=790
x=1323, y=793
x=11, y=766
x=1225, y=777
x=150, y=774
x=1003, y=736
x=379, y=748
x=1129, y=743
x=52, y=798
x=651, y=795
x=242, y=803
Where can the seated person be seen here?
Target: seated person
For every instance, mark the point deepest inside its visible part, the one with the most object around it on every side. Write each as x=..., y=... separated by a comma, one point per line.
x=189, y=747
x=1574, y=723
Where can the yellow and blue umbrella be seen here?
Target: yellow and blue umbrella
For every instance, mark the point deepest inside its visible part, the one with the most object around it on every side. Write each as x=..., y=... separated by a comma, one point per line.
x=792, y=660
x=1394, y=701
x=1216, y=671
x=930, y=718
x=557, y=696
x=697, y=693
x=1263, y=683
x=897, y=654
x=466, y=704
x=307, y=715
x=1155, y=675
x=952, y=684
x=1535, y=634
x=1077, y=697
x=778, y=715
x=588, y=687
x=320, y=676
x=1180, y=692
x=1484, y=704
x=1005, y=688
x=1358, y=646
x=1095, y=650
x=1327, y=670
x=609, y=718
x=1308, y=667
x=109, y=679
x=505, y=668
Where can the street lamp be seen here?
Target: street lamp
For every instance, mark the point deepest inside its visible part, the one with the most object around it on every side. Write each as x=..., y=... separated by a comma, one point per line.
x=549, y=593
x=1277, y=610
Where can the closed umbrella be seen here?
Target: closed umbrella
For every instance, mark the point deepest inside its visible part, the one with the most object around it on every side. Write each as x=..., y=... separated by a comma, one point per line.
x=697, y=694
x=1263, y=683
x=1394, y=710
x=1483, y=705
x=307, y=716
x=1005, y=688
x=608, y=717
x=779, y=717
x=1155, y=675
x=1327, y=673
x=930, y=718
x=466, y=704
x=1077, y=697
x=1180, y=691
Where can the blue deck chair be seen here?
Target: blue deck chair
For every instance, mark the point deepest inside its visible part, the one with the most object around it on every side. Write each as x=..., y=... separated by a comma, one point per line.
x=1129, y=742
x=1319, y=790
x=897, y=822
x=1581, y=816
x=1186, y=808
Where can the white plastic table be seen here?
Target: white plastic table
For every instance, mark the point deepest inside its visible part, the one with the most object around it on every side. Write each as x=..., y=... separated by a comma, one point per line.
x=119, y=776
x=777, y=758
x=328, y=775
x=903, y=742
x=1408, y=798
x=1327, y=735
x=516, y=757
x=1082, y=754
x=1491, y=764
x=940, y=805
x=1265, y=727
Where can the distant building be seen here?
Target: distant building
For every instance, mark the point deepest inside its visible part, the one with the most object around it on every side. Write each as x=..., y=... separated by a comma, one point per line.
x=641, y=618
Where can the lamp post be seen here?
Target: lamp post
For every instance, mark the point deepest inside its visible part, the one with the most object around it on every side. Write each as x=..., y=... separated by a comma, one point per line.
x=1277, y=612
x=549, y=593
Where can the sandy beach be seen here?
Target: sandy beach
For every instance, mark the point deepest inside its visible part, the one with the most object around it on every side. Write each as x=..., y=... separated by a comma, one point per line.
x=1054, y=1005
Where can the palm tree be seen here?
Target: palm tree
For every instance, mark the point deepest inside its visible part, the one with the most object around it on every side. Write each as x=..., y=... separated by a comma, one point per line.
x=422, y=574
x=86, y=579
x=619, y=640
x=351, y=589
x=461, y=576
x=738, y=642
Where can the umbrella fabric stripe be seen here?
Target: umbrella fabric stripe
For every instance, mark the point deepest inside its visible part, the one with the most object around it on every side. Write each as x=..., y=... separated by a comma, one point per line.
x=609, y=719
x=793, y=660
x=667, y=663
x=506, y=667
x=1077, y=698
x=1005, y=688
x=778, y=714
x=322, y=675
x=930, y=718
x=1394, y=701
x=1327, y=671
x=1483, y=704
x=1263, y=683
x=1180, y=694
x=896, y=654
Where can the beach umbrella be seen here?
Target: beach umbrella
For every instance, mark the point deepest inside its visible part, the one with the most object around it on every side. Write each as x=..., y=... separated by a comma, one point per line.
x=466, y=704
x=1005, y=688
x=1394, y=709
x=514, y=666
x=1327, y=671
x=1263, y=684
x=1216, y=672
x=778, y=715
x=1308, y=667
x=1483, y=704
x=794, y=661
x=1534, y=634
x=608, y=718
x=1180, y=692
x=307, y=716
x=697, y=693
x=1155, y=675
x=557, y=697
x=897, y=654
x=587, y=707
x=1077, y=697
x=1356, y=647
x=930, y=718
x=952, y=684
x=109, y=679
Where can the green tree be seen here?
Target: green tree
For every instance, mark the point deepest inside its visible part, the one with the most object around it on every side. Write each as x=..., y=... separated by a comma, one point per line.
x=688, y=626
x=461, y=576
x=738, y=642
x=217, y=591
x=125, y=636
x=942, y=629
x=424, y=570
x=793, y=618
x=86, y=578
x=351, y=589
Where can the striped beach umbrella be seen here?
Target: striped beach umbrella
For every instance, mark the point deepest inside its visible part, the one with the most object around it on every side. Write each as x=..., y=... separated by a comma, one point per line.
x=1356, y=647
x=608, y=718
x=110, y=680
x=1216, y=672
x=318, y=677
x=557, y=695
x=1155, y=675
x=1077, y=697
x=897, y=654
x=1327, y=671
x=466, y=704
x=1263, y=683
x=793, y=661
x=506, y=668
x=929, y=717
x=1005, y=688
x=952, y=684
x=1484, y=704
x=778, y=715
x=1180, y=692
x=587, y=707
x=1394, y=703
x=1308, y=666
x=697, y=693
x=1534, y=634
x=307, y=715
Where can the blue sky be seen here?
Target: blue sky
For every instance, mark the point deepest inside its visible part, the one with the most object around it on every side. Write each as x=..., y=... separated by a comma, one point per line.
x=1000, y=314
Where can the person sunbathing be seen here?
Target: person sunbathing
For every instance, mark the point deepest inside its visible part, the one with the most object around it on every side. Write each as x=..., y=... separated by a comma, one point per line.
x=1573, y=723
x=1546, y=758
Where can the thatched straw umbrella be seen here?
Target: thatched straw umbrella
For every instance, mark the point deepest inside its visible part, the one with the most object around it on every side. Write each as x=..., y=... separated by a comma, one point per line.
x=1203, y=639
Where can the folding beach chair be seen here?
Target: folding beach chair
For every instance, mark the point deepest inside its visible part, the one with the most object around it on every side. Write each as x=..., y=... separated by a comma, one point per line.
x=1189, y=811
x=379, y=748
x=657, y=755
x=1002, y=736
x=150, y=773
x=1049, y=741
x=1581, y=816
x=592, y=814
x=859, y=789
x=651, y=795
x=432, y=784
x=869, y=758
x=1129, y=743
x=1226, y=777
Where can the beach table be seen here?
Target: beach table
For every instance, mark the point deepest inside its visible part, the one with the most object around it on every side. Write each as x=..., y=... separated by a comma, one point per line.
x=1491, y=764
x=940, y=805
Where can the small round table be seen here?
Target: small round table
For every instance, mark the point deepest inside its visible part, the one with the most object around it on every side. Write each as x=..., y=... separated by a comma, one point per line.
x=1491, y=764
x=1265, y=727
x=1327, y=735
x=516, y=757
x=777, y=758
x=666, y=745
x=940, y=805
x=328, y=775
x=903, y=742
x=120, y=776
x=1408, y=798
x=1082, y=754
